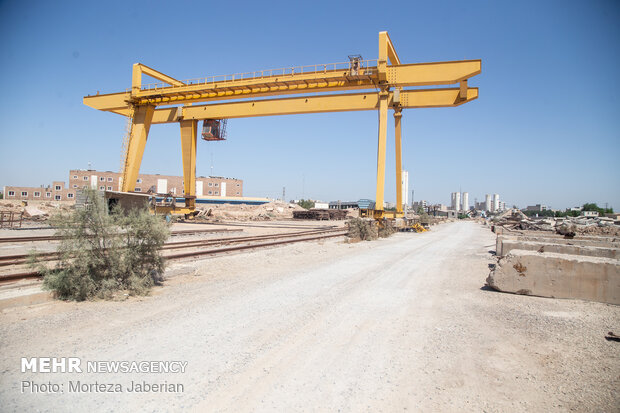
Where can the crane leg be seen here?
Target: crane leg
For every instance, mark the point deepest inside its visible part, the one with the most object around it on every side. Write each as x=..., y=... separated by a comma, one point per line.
x=383, y=109
x=139, y=133
x=188, y=150
x=399, y=168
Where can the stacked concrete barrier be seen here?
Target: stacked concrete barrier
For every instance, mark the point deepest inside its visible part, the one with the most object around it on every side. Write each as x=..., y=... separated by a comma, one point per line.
x=547, y=265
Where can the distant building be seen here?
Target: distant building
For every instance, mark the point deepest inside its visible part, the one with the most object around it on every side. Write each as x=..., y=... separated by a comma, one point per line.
x=417, y=205
x=456, y=201
x=465, y=201
x=536, y=208
x=589, y=213
x=343, y=204
x=488, y=203
x=496, y=206
x=54, y=192
x=438, y=207
x=161, y=184
x=112, y=181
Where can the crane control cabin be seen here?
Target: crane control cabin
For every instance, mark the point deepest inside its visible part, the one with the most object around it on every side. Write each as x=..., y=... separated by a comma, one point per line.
x=356, y=85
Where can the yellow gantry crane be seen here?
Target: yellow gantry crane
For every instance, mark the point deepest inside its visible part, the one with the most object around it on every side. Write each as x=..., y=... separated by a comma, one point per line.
x=379, y=85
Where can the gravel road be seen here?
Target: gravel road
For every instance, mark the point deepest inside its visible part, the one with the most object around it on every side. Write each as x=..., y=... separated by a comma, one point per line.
x=399, y=324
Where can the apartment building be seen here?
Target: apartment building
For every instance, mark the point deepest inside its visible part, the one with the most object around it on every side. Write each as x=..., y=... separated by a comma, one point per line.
x=211, y=186
x=54, y=192
x=161, y=184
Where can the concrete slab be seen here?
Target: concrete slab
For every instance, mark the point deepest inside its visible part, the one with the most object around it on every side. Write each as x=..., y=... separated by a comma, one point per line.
x=505, y=245
x=558, y=275
x=546, y=240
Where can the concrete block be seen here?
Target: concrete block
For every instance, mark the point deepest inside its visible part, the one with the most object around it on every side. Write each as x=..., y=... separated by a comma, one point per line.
x=558, y=275
x=499, y=250
x=505, y=245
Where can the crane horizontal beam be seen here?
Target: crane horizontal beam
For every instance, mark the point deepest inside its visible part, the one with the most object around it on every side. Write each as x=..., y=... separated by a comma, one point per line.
x=421, y=98
x=417, y=74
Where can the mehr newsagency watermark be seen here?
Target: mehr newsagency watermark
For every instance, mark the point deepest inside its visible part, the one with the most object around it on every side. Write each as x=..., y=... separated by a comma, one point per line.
x=76, y=365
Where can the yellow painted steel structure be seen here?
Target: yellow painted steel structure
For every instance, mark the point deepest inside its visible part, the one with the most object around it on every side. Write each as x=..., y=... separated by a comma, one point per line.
x=373, y=85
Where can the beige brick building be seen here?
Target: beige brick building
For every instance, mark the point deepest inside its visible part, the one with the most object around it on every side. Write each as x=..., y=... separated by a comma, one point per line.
x=111, y=181
x=54, y=192
x=161, y=184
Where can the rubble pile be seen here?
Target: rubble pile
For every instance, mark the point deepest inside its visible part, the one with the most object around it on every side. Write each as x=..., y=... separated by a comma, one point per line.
x=515, y=220
x=230, y=212
x=36, y=211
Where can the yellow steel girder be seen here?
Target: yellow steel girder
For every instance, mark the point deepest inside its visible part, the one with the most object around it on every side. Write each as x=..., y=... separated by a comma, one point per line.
x=417, y=74
x=422, y=98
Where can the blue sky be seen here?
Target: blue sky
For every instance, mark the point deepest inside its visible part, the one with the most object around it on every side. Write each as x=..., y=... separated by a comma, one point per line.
x=546, y=128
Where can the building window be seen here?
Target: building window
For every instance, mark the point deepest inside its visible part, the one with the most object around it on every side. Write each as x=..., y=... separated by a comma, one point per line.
x=102, y=188
x=138, y=190
x=110, y=179
x=102, y=178
x=85, y=178
x=48, y=194
x=57, y=197
x=210, y=192
x=217, y=184
x=11, y=193
x=57, y=187
x=69, y=195
x=217, y=192
x=74, y=185
x=210, y=183
x=24, y=193
x=238, y=185
x=74, y=176
x=237, y=193
x=109, y=188
x=139, y=180
x=37, y=194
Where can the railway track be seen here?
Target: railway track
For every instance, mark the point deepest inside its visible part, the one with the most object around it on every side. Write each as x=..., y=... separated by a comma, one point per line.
x=249, y=242
x=37, y=238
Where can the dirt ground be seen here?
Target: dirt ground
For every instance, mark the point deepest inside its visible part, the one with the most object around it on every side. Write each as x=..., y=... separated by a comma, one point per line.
x=397, y=324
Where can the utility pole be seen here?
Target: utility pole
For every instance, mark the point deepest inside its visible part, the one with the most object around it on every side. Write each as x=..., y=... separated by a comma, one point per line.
x=284, y=194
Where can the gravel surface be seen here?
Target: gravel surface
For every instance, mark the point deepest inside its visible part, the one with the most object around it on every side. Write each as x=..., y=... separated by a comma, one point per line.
x=398, y=324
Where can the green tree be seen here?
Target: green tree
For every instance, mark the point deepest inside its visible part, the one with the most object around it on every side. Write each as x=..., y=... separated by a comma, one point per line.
x=102, y=252
x=306, y=203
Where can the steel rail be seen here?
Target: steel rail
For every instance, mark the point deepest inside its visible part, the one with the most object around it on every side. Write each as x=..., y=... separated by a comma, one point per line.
x=17, y=259
x=59, y=237
x=35, y=274
x=250, y=246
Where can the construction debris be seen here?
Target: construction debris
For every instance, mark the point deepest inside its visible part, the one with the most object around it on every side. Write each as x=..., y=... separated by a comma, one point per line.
x=515, y=220
x=321, y=214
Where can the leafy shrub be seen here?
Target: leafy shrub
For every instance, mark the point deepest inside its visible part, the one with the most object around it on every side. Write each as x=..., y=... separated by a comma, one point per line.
x=101, y=253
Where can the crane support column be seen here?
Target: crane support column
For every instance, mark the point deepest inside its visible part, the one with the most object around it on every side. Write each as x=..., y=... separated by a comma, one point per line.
x=189, y=130
x=399, y=167
x=141, y=124
x=383, y=110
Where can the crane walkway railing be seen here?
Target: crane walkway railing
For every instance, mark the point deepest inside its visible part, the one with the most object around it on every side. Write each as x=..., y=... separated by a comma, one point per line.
x=366, y=67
